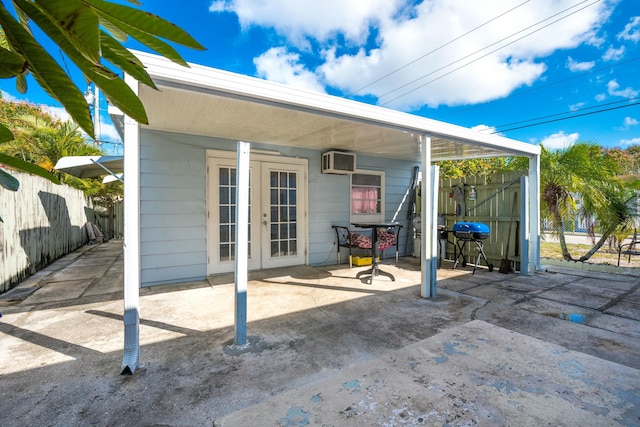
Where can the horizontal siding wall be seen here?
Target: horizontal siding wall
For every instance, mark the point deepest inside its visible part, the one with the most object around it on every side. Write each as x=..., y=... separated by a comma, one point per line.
x=329, y=203
x=173, y=203
x=172, y=209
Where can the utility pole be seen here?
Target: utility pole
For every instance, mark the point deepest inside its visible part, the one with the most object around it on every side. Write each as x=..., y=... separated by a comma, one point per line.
x=93, y=101
x=96, y=115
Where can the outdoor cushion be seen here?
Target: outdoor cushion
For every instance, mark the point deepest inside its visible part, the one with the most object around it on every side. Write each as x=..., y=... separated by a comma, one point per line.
x=385, y=240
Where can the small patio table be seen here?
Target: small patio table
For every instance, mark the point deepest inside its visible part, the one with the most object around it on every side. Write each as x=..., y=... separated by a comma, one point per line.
x=374, y=270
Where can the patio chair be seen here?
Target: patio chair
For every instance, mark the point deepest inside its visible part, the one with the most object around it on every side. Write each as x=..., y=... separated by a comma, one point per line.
x=349, y=239
x=630, y=248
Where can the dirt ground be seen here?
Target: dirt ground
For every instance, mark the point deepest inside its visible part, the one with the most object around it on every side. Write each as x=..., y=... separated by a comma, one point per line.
x=465, y=357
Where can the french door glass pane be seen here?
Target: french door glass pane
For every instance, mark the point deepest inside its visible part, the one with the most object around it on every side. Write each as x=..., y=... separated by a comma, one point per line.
x=227, y=217
x=283, y=196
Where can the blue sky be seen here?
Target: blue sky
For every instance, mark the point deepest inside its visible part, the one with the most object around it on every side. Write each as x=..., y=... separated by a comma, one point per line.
x=501, y=66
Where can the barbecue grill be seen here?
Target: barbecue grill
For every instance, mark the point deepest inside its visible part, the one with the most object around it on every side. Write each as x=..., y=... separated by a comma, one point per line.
x=471, y=232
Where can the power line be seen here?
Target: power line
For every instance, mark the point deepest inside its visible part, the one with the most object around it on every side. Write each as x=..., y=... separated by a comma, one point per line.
x=437, y=49
x=566, y=112
x=556, y=82
x=487, y=54
x=571, y=117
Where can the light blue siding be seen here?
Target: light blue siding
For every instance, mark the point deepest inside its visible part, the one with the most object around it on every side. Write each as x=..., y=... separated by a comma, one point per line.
x=329, y=203
x=173, y=203
x=172, y=209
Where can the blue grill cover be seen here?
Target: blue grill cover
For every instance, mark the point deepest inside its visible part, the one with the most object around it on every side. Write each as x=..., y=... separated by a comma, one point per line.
x=471, y=230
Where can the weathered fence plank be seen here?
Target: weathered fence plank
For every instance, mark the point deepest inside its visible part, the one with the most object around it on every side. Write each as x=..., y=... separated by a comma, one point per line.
x=42, y=222
x=492, y=206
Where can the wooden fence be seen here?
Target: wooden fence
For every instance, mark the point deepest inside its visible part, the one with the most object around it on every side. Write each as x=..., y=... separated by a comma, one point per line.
x=110, y=220
x=492, y=206
x=42, y=222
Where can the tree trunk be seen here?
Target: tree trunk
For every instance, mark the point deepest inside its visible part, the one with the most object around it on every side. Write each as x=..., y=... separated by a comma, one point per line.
x=560, y=230
x=595, y=249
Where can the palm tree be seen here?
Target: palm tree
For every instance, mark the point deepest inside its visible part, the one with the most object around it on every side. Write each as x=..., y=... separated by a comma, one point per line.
x=51, y=141
x=91, y=34
x=581, y=170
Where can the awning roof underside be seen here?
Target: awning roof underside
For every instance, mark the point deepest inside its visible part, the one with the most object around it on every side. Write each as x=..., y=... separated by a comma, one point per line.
x=90, y=166
x=205, y=101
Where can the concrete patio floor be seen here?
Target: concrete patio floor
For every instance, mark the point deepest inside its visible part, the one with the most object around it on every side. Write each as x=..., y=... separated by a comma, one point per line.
x=555, y=348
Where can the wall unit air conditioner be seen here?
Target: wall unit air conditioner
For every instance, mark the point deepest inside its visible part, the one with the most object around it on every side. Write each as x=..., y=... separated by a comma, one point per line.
x=338, y=162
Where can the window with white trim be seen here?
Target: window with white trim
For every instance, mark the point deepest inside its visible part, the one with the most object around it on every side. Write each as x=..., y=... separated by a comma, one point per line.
x=367, y=196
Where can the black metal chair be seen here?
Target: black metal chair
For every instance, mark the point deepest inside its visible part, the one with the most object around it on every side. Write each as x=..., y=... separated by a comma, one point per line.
x=630, y=248
x=346, y=238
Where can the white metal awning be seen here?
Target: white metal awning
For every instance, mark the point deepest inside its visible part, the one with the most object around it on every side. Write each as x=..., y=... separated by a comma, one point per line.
x=90, y=166
x=205, y=101
x=217, y=104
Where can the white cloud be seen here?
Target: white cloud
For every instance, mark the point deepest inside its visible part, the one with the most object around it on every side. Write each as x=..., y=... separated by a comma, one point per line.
x=559, y=140
x=363, y=41
x=57, y=112
x=613, y=87
x=320, y=20
x=575, y=66
x=484, y=128
x=108, y=131
x=281, y=66
x=8, y=97
x=628, y=123
x=631, y=31
x=613, y=54
x=601, y=97
x=629, y=142
x=575, y=107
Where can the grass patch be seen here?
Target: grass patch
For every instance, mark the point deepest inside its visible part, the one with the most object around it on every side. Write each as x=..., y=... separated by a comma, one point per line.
x=603, y=256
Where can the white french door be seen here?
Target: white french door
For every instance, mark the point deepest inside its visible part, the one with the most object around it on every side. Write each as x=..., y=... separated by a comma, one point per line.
x=277, y=213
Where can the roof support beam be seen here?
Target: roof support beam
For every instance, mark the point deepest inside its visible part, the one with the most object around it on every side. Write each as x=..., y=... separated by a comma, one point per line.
x=534, y=209
x=107, y=170
x=525, y=231
x=242, y=239
x=429, y=260
x=131, y=357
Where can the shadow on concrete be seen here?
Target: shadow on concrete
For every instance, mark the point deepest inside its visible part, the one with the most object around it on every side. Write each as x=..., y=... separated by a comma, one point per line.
x=67, y=354
x=44, y=245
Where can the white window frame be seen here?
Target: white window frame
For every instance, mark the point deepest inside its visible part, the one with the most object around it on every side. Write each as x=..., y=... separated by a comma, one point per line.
x=379, y=217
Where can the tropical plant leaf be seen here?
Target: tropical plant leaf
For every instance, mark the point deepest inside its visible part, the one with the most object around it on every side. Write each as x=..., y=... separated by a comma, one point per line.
x=120, y=95
x=151, y=42
x=5, y=134
x=77, y=21
x=17, y=163
x=9, y=182
x=143, y=21
x=634, y=185
x=115, y=53
x=46, y=71
x=115, y=32
x=11, y=64
x=63, y=40
x=114, y=88
x=21, y=82
x=23, y=18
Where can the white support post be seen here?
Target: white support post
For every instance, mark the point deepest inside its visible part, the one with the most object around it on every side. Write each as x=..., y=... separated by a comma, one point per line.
x=427, y=264
x=242, y=239
x=131, y=358
x=524, y=226
x=534, y=217
x=435, y=188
